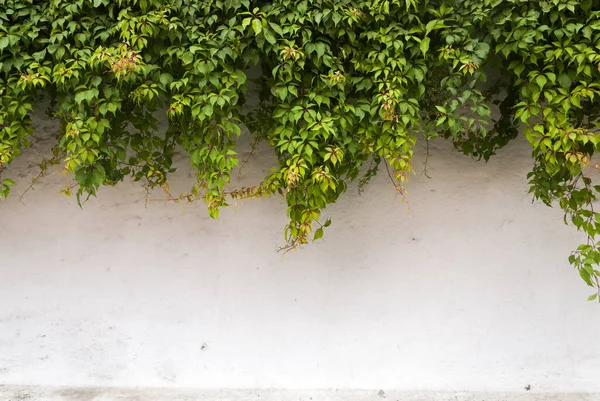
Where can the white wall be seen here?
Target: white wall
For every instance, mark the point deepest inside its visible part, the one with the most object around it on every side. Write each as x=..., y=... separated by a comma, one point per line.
x=471, y=291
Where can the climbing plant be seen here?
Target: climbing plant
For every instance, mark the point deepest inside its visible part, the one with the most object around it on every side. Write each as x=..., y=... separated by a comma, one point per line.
x=345, y=84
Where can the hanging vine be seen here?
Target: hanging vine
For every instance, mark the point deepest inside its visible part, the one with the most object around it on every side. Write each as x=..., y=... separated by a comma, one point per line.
x=345, y=83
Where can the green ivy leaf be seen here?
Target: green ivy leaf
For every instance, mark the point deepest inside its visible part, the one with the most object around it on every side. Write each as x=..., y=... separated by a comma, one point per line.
x=425, y=45
x=269, y=37
x=187, y=58
x=541, y=81
x=283, y=92
x=564, y=80
x=257, y=26
x=3, y=42
x=86, y=95
x=165, y=79
x=320, y=49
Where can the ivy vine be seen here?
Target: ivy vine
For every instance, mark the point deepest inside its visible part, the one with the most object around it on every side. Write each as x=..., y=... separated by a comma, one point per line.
x=345, y=84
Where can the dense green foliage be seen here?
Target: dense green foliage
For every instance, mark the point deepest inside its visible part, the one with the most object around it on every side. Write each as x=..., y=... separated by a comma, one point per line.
x=345, y=83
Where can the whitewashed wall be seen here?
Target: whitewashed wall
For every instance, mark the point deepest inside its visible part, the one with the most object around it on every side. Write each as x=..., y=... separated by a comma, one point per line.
x=471, y=291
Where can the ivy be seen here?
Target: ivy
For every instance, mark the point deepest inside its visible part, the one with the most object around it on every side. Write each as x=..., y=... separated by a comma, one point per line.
x=345, y=84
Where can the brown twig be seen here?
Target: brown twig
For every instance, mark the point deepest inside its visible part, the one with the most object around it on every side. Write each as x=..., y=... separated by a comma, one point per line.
x=427, y=154
x=397, y=186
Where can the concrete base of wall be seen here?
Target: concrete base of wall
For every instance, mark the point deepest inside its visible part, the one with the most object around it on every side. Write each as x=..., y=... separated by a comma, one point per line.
x=34, y=393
